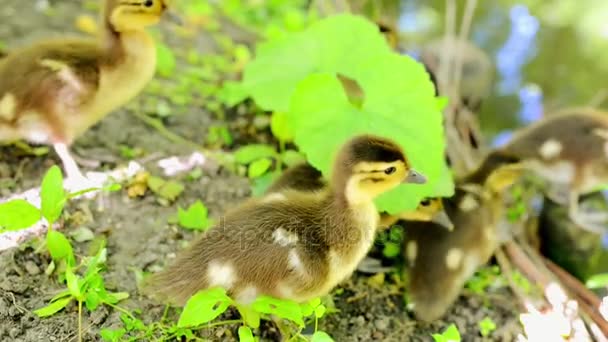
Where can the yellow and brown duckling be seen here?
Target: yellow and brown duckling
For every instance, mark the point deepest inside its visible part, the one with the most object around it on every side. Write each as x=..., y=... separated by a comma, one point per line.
x=441, y=261
x=53, y=91
x=294, y=244
x=569, y=150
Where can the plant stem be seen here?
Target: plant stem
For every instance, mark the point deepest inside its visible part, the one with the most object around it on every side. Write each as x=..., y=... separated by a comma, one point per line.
x=79, y=321
x=116, y=307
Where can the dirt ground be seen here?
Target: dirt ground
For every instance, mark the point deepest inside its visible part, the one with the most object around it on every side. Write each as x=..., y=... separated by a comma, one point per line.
x=139, y=237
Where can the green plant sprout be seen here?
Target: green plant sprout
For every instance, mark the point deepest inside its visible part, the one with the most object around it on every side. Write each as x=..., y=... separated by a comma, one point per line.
x=597, y=281
x=195, y=217
x=297, y=75
x=486, y=327
x=450, y=334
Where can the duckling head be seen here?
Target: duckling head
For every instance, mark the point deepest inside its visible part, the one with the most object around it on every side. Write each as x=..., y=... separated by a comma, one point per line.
x=432, y=210
x=133, y=15
x=369, y=165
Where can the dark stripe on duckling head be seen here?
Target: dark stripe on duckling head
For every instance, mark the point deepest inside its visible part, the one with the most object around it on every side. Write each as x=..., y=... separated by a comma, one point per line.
x=367, y=148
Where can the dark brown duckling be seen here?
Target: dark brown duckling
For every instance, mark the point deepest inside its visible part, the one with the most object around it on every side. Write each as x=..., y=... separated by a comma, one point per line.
x=53, y=91
x=441, y=261
x=294, y=245
x=569, y=150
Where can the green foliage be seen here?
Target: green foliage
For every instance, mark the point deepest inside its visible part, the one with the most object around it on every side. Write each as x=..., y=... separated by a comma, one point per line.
x=204, y=306
x=486, y=327
x=165, y=60
x=296, y=75
x=245, y=334
x=59, y=247
x=451, y=334
x=280, y=127
x=281, y=308
x=597, y=281
x=52, y=195
x=250, y=153
x=321, y=336
x=53, y=307
x=17, y=214
x=166, y=190
x=259, y=167
x=195, y=217
x=483, y=278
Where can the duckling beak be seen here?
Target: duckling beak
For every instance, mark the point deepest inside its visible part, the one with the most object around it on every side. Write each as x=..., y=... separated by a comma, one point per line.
x=443, y=219
x=414, y=177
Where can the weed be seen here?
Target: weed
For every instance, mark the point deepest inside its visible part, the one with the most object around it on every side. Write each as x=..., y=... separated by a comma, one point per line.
x=486, y=327
x=451, y=334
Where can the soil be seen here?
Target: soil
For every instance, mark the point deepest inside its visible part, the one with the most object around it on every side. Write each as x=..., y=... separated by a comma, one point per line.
x=139, y=236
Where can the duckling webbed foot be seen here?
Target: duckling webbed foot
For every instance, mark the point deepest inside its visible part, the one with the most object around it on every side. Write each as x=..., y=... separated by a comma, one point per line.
x=75, y=180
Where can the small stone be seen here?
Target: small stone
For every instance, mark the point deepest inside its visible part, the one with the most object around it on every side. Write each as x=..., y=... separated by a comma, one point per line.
x=382, y=323
x=378, y=336
x=360, y=320
x=14, y=332
x=31, y=268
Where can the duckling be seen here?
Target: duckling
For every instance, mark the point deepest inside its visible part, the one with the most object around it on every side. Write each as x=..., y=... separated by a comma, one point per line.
x=294, y=245
x=53, y=91
x=441, y=261
x=305, y=177
x=569, y=149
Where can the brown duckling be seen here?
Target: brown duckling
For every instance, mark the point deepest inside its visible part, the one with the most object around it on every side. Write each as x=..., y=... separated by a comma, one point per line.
x=298, y=245
x=441, y=261
x=569, y=150
x=53, y=91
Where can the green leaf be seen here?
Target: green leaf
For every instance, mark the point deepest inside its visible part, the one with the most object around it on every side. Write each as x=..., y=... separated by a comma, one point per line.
x=52, y=195
x=486, y=326
x=321, y=336
x=250, y=153
x=259, y=167
x=320, y=311
x=451, y=334
x=17, y=214
x=165, y=60
x=391, y=250
x=261, y=184
x=195, y=217
x=92, y=300
x=203, y=307
x=73, y=285
x=116, y=297
x=324, y=119
x=291, y=158
x=336, y=43
x=280, y=127
x=110, y=335
x=282, y=308
x=169, y=190
x=59, y=247
x=597, y=281
x=245, y=334
x=53, y=308
x=249, y=316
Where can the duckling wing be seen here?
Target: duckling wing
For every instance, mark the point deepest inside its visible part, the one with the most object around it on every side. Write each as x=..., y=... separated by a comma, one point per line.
x=49, y=78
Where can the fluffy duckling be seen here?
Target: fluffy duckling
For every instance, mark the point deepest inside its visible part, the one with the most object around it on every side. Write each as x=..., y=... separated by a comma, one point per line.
x=569, y=149
x=305, y=177
x=53, y=91
x=441, y=261
x=293, y=245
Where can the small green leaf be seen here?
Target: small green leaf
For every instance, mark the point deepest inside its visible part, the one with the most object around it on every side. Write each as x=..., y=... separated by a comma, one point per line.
x=165, y=60
x=282, y=308
x=82, y=234
x=391, y=250
x=259, y=167
x=53, y=308
x=73, y=285
x=451, y=334
x=486, y=326
x=261, y=184
x=280, y=127
x=249, y=316
x=245, y=334
x=52, y=195
x=597, y=281
x=17, y=214
x=92, y=300
x=320, y=311
x=248, y=154
x=195, y=217
x=110, y=335
x=116, y=297
x=59, y=247
x=321, y=336
x=169, y=190
x=203, y=307
x=291, y=158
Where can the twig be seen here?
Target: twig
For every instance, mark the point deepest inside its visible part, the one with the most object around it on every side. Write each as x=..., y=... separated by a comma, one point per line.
x=463, y=36
x=445, y=59
x=505, y=267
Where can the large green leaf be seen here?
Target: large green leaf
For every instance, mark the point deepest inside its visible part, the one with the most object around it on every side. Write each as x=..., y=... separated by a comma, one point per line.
x=204, y=306
x=17, y=214
x=324, y=119
x=335, y=44
x=282, y=308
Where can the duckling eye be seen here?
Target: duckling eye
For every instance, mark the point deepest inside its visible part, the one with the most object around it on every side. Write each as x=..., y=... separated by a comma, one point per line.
x=149, y=3
x=390, y=170
x=425, y=202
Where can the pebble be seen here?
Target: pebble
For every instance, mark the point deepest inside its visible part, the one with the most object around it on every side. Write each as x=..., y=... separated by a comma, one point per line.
x=382, y=323
x=14, y=332
x=360, y=320
x=31, y=268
